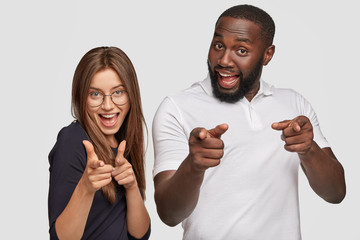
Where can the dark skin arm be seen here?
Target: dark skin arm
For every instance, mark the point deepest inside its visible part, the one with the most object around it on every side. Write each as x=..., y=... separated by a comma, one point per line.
x=177, y=192
x=323, y=171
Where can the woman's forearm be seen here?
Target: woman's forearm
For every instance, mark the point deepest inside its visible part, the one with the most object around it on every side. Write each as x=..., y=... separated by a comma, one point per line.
x=71, y=222
x=138, y=220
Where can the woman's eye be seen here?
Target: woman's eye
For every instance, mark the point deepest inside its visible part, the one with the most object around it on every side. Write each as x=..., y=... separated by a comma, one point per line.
x=95, y=94
x=118, y=92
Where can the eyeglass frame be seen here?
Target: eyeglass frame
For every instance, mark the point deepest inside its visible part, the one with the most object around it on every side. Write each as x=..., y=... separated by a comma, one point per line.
x=110, y=95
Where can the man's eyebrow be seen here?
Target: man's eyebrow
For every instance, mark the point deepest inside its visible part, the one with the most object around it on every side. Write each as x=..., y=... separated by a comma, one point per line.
x=245, y=40
x=238, y=39
x=217, y=35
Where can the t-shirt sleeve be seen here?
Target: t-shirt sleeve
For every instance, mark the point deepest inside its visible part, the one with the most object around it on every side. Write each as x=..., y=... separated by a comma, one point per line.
x=145, y=237
x=67, y=162
x=308, y=111
x=169, y=138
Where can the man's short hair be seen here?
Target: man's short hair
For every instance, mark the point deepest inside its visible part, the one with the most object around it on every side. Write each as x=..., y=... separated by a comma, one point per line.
x=255, y=15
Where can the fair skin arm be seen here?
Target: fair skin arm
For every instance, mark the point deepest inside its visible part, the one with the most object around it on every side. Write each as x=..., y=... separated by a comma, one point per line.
x=323, y=171
x=71, y=222
x=177, y=192
x=138, y=219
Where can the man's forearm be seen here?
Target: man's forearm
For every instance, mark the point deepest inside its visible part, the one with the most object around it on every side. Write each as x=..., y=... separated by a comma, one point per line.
x=325, y=173
x=177, y=193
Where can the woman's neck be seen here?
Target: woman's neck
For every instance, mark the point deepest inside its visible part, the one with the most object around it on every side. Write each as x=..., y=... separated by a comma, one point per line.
x=112, y=141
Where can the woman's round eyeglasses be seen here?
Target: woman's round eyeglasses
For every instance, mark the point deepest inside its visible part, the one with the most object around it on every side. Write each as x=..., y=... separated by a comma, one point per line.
x=96, y=98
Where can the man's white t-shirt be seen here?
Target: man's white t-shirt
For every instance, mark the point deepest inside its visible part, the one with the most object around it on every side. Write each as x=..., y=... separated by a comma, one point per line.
x=253, y=193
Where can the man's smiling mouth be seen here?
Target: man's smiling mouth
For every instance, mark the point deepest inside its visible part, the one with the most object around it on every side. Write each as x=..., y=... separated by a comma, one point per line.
x=227, y=80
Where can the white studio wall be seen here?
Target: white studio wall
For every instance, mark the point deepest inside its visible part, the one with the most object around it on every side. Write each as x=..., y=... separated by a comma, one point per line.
x=167, y=41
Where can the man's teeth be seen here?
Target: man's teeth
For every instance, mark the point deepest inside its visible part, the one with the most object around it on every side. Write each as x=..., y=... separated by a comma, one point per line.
x=228, y=82
x=226, y=75
x=108, y=115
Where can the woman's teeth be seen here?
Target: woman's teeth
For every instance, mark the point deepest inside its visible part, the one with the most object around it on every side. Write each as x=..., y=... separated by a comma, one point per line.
x=108, y=115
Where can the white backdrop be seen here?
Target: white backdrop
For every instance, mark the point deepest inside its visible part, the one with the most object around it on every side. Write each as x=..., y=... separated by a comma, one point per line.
x=42, y=41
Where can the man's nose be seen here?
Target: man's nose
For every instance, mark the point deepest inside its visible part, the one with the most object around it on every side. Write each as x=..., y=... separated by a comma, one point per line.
x=226, y=59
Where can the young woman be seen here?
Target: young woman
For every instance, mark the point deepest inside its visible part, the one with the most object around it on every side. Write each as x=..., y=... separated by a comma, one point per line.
x=97, y=179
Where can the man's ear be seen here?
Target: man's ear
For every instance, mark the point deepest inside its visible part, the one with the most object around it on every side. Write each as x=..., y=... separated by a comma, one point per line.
x=269, y=53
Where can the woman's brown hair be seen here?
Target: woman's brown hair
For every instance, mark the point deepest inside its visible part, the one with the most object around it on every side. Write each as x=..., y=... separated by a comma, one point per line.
x=132, y=129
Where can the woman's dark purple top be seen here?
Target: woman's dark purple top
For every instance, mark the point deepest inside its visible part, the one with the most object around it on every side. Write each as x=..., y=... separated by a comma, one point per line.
x=67, y=163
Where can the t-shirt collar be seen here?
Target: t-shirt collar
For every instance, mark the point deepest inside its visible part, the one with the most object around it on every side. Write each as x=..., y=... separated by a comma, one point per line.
x=265, y=88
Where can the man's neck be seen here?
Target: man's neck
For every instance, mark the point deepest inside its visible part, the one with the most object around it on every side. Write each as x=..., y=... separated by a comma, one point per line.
x=252, y=93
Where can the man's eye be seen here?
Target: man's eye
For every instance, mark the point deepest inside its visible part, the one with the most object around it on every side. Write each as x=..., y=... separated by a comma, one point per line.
x=218, y=46
x=242, y=51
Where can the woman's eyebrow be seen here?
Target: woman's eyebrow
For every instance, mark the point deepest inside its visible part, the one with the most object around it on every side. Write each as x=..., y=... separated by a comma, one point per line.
x=117, y=86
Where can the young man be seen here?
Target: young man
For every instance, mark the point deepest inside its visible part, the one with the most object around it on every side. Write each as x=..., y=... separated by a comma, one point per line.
x=221, y=167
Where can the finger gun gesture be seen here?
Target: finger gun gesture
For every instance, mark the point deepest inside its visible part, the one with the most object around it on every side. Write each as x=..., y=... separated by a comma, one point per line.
x=97, y=174
x=297, y=134
x=123, y=173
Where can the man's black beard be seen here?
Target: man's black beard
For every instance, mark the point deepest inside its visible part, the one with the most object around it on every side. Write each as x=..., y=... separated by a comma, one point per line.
x=245, y=86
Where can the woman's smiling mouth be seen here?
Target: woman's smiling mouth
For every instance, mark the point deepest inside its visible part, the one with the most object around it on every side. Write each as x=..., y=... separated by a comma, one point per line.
x=108, y=120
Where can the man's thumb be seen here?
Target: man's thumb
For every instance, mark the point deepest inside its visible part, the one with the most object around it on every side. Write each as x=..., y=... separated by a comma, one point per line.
x=218, y=130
